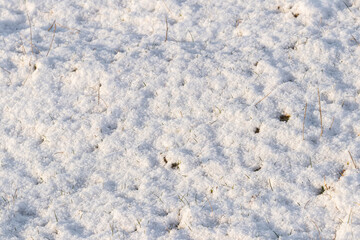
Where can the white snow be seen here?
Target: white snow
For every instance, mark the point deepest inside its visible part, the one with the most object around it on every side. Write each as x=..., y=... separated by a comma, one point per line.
x=111, y=130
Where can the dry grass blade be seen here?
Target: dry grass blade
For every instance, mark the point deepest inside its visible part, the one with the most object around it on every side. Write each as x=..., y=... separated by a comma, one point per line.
x=31, y=42
x=52, y=26
x=56, y=218
x=212, y=210
x=99, y=94
x=352, y=159
x=71, y=29
x=322, y=129
x=304, y=121
x=353, y=38
x=332, y=122
x=237, y=23
x=264, y=97
x=317, y=228
x=99, y=97
x=270, y=185
x=167, y=28
x=167, y=8
x=22, y=45
x=350, y=216
x=191, y=36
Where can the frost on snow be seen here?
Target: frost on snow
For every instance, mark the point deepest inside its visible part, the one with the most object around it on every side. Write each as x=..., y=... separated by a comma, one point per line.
x=179, y=119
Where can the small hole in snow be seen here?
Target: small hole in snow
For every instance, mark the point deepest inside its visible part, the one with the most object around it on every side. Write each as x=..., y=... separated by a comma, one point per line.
x=257, y=130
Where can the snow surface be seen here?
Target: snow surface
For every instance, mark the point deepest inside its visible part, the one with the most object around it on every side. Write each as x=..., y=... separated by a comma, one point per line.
x=109, y=129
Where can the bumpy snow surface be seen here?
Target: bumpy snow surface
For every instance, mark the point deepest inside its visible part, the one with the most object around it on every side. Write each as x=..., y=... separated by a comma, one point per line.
x=180, y=119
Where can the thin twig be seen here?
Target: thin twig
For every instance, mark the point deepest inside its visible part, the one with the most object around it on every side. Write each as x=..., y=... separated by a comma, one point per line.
x=264, y=97
x=5, y=70
x=347, y=6
x=167, y=28
x=352, y=159
x=322, y=130
x=304, y=121
x=53, y=25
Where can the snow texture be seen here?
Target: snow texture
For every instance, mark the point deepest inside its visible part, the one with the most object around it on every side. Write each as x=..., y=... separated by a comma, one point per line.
x=179, y=119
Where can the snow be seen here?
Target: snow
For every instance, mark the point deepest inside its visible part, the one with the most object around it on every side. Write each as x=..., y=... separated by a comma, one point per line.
x=111, y=130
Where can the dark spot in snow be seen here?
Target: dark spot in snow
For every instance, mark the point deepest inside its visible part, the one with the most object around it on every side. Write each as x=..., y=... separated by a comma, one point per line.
x=342, y=172
x=257, y=130
x=291, y=46
x=256, y=169
x=108, y=128
x=165, y=160
x=284, y=117
x=321, y=190
x=173, y=225
x=295, y=15
x=39, y=181
x=175, y=165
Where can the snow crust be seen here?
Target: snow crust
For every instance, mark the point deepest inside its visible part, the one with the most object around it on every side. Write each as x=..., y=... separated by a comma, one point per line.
x=111, y=128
